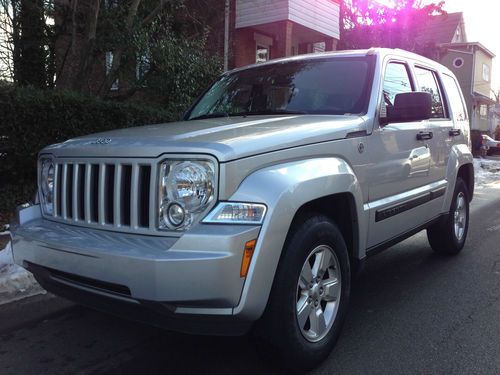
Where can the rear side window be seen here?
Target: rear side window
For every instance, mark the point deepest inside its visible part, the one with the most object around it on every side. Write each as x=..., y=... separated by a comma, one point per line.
x=427, y=82
x=454, y=98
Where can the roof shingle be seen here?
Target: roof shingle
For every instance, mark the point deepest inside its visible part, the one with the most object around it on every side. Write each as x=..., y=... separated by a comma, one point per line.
x=440, y=29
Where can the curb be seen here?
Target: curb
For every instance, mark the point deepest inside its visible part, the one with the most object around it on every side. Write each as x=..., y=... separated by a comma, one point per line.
x=32, y=310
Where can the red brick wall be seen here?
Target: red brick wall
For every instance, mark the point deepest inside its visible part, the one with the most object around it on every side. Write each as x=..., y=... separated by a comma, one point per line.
x=244, y=48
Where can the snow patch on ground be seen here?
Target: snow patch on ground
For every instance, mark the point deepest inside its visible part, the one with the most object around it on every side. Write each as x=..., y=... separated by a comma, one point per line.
x=487, y=173
x=15, y=282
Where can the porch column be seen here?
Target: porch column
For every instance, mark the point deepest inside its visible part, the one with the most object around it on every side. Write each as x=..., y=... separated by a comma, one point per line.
x=331, y=44
x=283, y=40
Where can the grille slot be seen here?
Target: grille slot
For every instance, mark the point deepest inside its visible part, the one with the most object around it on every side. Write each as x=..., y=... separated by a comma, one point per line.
x=106, y=193
x=80, y=192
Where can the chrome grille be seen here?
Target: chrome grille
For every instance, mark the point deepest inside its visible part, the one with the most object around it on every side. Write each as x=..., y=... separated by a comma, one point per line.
x=108, y=193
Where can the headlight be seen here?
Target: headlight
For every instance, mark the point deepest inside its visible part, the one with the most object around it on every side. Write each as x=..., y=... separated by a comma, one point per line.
x=186, y=190
x=237, y=213
x=47, y=173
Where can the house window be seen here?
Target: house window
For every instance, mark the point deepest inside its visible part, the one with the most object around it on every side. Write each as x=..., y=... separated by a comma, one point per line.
x=262, y=53
x=483, y=111
x=142, y=66
x=319, y=47
x=457, y=38
x=109, y=65
x=458, y=62
x=109, y=4
x=263, y=45
x=486, y=73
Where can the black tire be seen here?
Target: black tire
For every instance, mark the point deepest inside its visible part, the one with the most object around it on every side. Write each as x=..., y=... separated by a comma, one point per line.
x=278, y=330
x=443, y=236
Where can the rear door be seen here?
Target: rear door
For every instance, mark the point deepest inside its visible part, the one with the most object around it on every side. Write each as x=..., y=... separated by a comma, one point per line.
x=457, y=110
x=440, y=124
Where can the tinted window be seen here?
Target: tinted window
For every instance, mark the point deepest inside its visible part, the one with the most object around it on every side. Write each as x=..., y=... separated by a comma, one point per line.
x=454, y=97
x=427, y=82
x=334, y=86
x=396, y=81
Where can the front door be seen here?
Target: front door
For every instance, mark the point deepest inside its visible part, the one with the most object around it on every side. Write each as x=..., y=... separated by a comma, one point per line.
x=400, y=178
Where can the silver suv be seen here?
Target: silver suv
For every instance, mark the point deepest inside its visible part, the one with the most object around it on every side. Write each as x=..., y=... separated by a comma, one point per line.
x=257, y=209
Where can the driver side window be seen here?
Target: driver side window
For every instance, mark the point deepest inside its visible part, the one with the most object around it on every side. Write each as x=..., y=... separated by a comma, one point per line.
x=396, y=81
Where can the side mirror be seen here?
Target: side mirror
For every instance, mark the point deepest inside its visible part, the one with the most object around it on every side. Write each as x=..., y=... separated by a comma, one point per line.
x=409, y=106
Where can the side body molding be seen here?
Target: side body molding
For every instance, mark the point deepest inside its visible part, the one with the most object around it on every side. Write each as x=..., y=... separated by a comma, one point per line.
x=284, y=188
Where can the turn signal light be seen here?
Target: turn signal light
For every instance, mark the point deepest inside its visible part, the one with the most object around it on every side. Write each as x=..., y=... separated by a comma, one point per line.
x=247, y=257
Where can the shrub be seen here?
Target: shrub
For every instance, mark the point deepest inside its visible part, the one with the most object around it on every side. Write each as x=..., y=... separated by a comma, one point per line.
x=31, y=119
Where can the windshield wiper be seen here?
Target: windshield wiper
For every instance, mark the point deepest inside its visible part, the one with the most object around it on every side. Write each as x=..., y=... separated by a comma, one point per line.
x=249, y=113
x=210, y=115
x=269, y=112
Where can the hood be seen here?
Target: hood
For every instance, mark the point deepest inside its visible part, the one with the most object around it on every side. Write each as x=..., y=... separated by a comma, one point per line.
x=226, y=138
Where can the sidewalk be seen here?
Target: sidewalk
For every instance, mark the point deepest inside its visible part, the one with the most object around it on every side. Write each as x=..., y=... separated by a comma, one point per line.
x=31, y=311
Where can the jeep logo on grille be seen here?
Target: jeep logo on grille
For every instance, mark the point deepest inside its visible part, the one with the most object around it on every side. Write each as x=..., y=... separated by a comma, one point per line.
x=101, y=141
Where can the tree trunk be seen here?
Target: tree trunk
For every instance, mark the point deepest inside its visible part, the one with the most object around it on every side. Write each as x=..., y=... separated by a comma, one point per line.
x=118, y=52
x=31, y=47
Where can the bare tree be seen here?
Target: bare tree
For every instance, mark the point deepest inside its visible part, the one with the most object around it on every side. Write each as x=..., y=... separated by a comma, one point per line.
x=9, y=33
x=496, y=94
x=83, y=25
x=17, y=46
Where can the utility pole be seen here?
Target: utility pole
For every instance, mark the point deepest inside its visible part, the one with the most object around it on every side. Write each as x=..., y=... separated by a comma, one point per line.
x=226, y=34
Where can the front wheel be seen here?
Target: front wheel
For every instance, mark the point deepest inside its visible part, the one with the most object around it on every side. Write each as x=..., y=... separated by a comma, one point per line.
x=448, y=237
x=310, y=295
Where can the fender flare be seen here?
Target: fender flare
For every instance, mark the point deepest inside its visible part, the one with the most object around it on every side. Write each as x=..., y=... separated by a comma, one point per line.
x=459, y=156
x=284, y=188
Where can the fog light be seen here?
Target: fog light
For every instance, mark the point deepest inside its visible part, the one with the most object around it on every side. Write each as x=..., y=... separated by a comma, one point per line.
x=176, y=214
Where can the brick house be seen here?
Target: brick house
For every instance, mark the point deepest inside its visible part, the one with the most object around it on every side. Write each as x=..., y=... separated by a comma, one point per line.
x=266, y=29
x=243, y=31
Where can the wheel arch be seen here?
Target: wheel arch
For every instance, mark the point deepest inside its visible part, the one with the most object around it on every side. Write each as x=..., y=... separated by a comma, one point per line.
x=341, y=209
x=289, y=190
x=466, y=173
x=460, y=164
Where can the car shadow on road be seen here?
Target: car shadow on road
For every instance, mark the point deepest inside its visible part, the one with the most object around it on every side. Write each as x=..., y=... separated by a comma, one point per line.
x=395, y=286
x=389, y=280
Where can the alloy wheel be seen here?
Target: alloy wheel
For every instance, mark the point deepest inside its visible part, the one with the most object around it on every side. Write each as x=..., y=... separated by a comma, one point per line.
x=318, y=293
x=460, y=216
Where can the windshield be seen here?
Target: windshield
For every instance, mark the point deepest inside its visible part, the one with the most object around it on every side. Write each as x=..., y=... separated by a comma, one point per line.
x=337, y=86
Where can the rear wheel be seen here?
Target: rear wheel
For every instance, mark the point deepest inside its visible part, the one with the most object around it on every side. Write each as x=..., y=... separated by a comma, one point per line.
x=448, y=236
x=310, y=294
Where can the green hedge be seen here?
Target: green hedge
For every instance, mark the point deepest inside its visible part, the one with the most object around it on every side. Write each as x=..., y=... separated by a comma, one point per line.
x=31, y=119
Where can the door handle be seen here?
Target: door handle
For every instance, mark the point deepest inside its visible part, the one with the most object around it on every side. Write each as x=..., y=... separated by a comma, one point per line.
x=422, y=136
x=455, y=132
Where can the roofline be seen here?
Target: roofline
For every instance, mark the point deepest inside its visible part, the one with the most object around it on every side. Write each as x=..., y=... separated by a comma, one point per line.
x=382, y=52
x=474, y=44
x=307, y=56
x=477, y=95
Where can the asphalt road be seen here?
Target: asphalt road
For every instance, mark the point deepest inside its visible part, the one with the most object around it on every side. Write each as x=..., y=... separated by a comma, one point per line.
x=412, y=312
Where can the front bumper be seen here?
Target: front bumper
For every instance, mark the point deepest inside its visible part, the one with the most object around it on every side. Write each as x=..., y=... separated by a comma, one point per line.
x=196, y=275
